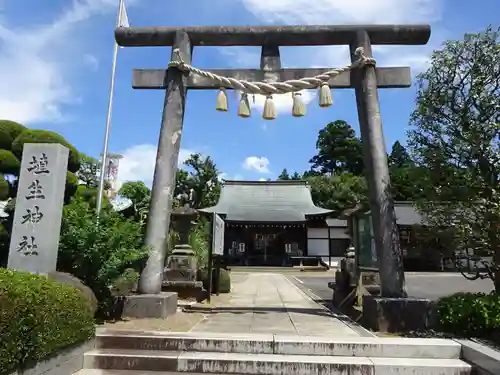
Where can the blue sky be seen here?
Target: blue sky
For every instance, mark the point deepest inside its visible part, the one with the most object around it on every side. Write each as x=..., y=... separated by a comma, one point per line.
x=55, y=65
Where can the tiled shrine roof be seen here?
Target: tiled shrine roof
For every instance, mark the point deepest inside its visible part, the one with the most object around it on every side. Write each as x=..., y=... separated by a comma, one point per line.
x=266, y=201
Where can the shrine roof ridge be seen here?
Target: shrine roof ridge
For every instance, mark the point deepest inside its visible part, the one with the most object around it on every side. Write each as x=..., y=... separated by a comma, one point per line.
x=312, y=35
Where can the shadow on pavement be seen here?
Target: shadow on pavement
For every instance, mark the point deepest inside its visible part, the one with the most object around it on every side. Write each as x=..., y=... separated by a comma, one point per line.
x=259, y=310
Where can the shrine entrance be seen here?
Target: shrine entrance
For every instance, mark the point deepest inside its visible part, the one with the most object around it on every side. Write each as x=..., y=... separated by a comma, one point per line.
x=269, y=80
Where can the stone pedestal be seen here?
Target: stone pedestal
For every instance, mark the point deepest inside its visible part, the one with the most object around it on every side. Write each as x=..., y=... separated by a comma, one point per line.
x=142, y=306
x=182, y=266
x=397, y=314
x=180, y=274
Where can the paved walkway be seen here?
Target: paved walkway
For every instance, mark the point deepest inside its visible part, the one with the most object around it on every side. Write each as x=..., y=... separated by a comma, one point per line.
x=270, y=303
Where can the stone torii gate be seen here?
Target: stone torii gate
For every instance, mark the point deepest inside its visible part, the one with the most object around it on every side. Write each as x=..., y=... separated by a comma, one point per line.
x=365, y=81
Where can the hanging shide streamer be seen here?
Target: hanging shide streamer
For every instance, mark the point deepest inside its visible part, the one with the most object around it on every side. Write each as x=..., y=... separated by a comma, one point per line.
x=264, y=88
x=298, y=109
x=221, y=104
x=325, y=96
x=244, y=106
x=269, y=109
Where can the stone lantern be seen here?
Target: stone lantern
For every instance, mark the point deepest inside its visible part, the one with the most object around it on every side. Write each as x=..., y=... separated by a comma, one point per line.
x=182, y=266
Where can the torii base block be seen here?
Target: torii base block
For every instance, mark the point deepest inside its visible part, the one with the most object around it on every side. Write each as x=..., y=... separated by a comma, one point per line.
x=150, y=306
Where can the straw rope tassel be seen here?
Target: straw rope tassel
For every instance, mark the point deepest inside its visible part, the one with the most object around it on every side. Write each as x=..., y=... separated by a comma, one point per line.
x=221, y=103
x=298, y=109
x=269, y=109
x=244, y=106
x=325, y=96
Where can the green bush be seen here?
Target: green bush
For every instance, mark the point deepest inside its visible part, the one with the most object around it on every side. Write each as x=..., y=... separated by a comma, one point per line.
x=9, y=163
x=5, y=140
x=45, y=136
x=99, y=255
x=9, y=130
x=89, y=195
x=199, y=239
x=38, y=318
x=471, y=315
x=71, y=185
x=4, y=188
x=224, y=281
x=4, y=245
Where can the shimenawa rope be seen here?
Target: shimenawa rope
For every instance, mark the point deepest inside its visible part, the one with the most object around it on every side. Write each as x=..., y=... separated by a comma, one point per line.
x=270, y=88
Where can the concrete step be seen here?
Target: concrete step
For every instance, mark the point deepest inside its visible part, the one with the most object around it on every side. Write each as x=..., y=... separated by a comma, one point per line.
x=94, y=371
x=397, y=347
x=268, y=364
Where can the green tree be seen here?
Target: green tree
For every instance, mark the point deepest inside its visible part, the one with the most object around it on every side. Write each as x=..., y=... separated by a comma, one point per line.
x=310, y=173
x=338, y=192
x=284, y=175
x=338, y=150
x=88, y=174
x=406, y=183
x=140, y=195
x=455, y=138
x=198, y=182
x=405, y=176
x=399, y=157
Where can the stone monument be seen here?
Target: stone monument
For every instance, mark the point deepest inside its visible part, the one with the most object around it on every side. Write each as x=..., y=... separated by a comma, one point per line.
x=182, y=266
x=37, y=219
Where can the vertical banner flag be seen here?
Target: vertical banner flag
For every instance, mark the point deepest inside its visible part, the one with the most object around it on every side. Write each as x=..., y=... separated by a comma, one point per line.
x=122, y=16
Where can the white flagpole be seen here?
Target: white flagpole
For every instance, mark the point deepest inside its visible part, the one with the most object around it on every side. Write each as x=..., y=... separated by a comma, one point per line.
x=121, y=19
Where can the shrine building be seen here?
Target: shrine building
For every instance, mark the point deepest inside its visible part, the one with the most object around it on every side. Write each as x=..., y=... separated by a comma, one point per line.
x=274, y=223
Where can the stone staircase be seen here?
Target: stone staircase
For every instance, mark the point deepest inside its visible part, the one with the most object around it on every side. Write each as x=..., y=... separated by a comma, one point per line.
x=162, y=353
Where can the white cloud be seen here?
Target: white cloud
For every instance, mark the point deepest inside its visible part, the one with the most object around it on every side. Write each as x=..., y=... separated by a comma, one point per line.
x=138, y=163
x=262, y=179
x=418, y=58
x=345, y=11
x=351, y=12
x=257, y=164
x=36, y=64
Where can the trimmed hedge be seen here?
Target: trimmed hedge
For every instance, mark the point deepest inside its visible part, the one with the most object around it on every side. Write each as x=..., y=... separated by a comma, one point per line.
x=4, y=188
x=9, y=130
x=38, y=318
x=9, y=163
x=45, y=136
x=471, y=315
